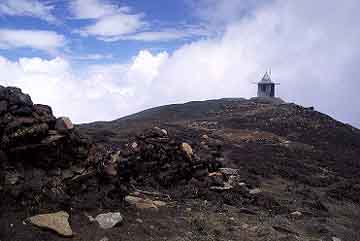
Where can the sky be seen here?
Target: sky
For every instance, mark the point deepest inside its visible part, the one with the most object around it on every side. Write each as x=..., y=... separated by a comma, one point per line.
x=97, y=60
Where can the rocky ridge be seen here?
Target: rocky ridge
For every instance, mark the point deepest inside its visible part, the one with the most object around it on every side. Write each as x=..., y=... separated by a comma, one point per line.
x=234, y=169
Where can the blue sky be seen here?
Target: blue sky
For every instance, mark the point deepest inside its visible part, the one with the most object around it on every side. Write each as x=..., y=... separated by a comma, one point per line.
x=103, y=59
x=63, y=18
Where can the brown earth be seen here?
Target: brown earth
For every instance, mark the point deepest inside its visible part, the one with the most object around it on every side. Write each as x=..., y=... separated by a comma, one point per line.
x=294, y=176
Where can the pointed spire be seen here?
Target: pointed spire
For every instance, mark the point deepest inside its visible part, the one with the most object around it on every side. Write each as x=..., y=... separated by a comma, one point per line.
x=266, y=77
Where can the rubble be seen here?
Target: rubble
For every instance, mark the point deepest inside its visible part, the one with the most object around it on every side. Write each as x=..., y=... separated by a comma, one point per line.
x=162, y=160
x=31, y=146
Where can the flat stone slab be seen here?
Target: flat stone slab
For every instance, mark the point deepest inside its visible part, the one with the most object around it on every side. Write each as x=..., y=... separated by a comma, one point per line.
x=58, y=222
x=142, y=203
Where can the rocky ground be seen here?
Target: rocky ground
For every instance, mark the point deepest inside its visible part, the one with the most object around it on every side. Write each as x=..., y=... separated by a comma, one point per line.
x=229, y=169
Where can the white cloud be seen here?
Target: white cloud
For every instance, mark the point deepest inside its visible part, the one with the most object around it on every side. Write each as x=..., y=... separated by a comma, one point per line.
x=185, y=32
x=114, y=25
x=110, y=20
x=36, y=39
x=96, y=56
x=101, y=91
x=31, y=8
x=93, y=9
x=312, y=49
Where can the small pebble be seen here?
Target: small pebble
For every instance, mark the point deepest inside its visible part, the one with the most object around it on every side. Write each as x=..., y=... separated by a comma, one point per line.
x=245, y=226
x=134, y=145
x=336, y=239
x=255, y=191
x=296, y=213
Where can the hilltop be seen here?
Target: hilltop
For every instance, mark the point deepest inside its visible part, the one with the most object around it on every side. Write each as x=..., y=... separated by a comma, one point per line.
x=227, y=169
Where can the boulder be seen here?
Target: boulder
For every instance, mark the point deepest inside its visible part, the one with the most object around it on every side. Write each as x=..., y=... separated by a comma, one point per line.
x=157, y=131
x=63, y=124
x=14, y=96
x=109, y=220
x=58, y=222
x=44, y=113
x=21, y=110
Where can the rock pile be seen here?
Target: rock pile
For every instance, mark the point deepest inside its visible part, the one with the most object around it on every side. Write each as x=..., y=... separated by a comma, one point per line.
x=154, y=158
x=35, y=146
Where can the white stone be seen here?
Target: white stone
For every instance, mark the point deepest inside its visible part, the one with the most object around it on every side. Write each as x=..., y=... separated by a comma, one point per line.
x=134, y=145
x=108, y=220
x=296, y=213
x=255, y=191
x=336, y=239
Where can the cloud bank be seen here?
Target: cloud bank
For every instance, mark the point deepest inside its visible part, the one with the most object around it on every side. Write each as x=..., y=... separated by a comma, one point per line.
x=312, y=48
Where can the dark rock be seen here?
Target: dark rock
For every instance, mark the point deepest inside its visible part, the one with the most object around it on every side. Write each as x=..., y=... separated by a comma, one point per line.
x=18, y=123
x=21, y=110
x=44, y=113
x=3, y=106
x=25, y=135
x=11, y=178
x=162, y=161
x=14, y=96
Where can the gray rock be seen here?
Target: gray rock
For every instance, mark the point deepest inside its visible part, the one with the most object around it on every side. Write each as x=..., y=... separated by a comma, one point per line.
x=255, y=191
x=336, y=239
x=296, y=213
x=67, y=173
x=63, y=124
x=229, y=171
x=142, y=203
x=11, y=178
x=58, y=222
x=134, y=145
x=109, y=220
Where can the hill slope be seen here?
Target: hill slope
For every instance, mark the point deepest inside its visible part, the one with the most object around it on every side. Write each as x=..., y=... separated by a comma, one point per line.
x=228, y=169
x=303, y=160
